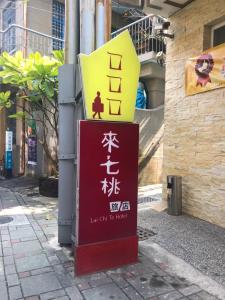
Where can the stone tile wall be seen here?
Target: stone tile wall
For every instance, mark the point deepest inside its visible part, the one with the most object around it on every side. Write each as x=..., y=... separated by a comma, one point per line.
x=150, y=144
x=194, y=138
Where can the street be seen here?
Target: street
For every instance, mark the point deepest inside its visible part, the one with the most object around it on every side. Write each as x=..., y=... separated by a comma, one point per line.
x=34, y=266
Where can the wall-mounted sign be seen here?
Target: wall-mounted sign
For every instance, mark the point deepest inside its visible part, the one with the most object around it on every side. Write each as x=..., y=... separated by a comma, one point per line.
x=8, y=160
x=8, y=153
x=32, y=150
x=31, y=127
x=206, y=72
x=110, y=79
x=107, y=197
x=8, y=140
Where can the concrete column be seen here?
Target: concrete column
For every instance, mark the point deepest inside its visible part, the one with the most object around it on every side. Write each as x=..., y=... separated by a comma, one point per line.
x=156, y=91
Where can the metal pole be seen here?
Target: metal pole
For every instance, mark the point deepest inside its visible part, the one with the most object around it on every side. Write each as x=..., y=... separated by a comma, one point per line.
x=87, y=38
x=67, y=108
x=108, y=19
x=100, y=23
x=103, y=21
x=70, y=112
x=71, y=31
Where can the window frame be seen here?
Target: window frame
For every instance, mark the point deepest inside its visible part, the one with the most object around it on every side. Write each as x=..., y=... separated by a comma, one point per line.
x=9, y=13
x=213, y=28
x=58, y=23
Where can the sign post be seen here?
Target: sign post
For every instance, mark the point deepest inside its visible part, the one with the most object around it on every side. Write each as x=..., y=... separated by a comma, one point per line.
x=8, y=153
x=107, y=184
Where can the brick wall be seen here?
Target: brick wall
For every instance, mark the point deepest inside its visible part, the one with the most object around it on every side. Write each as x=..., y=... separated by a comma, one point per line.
x=194, y=138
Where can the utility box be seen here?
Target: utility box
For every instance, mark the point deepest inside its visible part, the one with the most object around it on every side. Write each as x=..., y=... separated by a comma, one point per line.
x=174, y=195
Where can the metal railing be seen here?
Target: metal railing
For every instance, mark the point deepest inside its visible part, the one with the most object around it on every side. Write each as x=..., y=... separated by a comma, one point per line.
x=17, y=37
x=142, y=32
x=144, y=36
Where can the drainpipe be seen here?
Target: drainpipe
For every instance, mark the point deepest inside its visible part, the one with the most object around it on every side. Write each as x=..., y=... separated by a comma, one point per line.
x=25, y=25
x=103, y=21
x=87, y=38
x=22, y=170
x=100, y=23
x=71, y=31
x=108, y=19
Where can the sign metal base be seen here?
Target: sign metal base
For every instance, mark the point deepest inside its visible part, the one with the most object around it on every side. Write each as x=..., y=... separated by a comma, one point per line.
x=100, y=256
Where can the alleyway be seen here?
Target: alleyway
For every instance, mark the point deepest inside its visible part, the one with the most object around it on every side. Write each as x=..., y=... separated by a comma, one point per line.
x=33, y=266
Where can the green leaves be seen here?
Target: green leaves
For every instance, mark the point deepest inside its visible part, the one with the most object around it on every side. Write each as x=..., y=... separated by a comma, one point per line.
x=22, y=72
x=34, y=76
x=18, y=115
x=58, y=55
x=48, y=88
x=4, y=99
x=34, y=80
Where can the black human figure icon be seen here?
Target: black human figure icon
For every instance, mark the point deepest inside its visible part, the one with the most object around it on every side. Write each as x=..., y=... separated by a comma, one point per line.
x=97, y=106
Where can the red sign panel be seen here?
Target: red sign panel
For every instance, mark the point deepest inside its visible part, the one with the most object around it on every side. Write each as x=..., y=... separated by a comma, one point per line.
x=107, y=182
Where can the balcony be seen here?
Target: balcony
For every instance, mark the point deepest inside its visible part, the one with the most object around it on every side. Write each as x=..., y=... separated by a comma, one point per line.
x=143, y=34
x=18, y=38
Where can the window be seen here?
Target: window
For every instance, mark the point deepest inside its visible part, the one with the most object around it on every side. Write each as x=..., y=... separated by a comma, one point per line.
x=58, y=21
x=218, y=34
x=9, y=18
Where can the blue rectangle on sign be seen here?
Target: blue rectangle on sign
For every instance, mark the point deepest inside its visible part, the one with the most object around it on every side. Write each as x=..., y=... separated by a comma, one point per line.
x=8, y=160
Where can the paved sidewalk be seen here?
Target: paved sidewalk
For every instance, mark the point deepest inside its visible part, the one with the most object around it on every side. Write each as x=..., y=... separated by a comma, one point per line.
x=149, y=193
x=34, y=267
x=199, y=243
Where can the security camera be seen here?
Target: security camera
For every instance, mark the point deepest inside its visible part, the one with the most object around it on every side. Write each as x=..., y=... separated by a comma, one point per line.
x=162, y=29
x=162, y=26
x=166, y=25
x=161, y=58
x=158, y=26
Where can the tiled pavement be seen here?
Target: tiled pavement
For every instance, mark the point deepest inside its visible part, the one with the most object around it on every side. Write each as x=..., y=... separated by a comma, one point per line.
x=34, y=267
x=149, y=193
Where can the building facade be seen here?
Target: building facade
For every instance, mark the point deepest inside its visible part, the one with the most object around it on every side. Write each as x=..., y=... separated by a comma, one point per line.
x=194, y=137
x=39, y=26
x=36, y=25
x=150, y=119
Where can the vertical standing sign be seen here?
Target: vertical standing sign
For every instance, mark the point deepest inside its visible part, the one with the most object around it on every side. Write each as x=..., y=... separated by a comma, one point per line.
x=8, y=153
x=107, y=183
x=32, y=150
x=107, y=206
x=32, y=143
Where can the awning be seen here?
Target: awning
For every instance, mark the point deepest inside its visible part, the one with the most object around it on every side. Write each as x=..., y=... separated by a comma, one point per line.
x=133, y=3
x=134, y=7
x=165, y=8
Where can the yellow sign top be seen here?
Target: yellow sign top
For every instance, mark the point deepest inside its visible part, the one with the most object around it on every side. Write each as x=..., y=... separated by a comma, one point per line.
x=110, y=79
